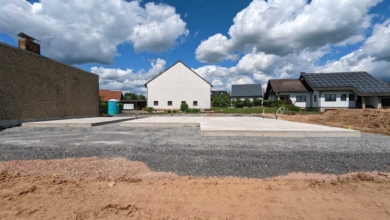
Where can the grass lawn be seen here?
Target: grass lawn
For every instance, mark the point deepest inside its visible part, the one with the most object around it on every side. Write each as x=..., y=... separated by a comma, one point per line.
x=258, y=110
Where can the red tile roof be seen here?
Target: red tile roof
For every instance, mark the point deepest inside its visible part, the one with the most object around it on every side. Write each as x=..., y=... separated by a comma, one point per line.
x=107, y=95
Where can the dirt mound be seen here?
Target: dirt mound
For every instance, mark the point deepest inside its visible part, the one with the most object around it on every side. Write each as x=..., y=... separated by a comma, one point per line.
x=375, y=121
x=38, y=194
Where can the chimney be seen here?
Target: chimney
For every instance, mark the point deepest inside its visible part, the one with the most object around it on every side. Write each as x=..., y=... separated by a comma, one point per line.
x=26, y=42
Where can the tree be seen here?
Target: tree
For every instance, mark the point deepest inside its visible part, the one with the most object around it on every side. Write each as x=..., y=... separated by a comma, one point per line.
x=133, y=96
x=184, y=107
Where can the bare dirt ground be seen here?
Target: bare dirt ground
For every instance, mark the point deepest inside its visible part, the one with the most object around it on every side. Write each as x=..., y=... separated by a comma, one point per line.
x=375, y=121
x=93, y=188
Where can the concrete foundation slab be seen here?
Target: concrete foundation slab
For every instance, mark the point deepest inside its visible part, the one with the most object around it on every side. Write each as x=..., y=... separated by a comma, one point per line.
x=246, y=126
x=77, y=122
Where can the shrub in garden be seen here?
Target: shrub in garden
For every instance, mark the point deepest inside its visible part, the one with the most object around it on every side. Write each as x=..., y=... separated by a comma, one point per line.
x=184, y=107
x=169, y=111
x=221, y=101
x=294, y=108
x=150, y=109
x=103, y=108
x=256, y=102
x=247, y=102
x=193, y=110
x=174, y=111
x=239, y=103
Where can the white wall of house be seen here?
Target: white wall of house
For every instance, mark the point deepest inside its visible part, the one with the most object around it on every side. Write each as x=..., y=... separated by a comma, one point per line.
x=178, y=84
x=338, y=103
x=293, y=97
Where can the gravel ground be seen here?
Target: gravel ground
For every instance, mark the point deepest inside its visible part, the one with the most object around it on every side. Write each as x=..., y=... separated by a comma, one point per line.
x=184, y=151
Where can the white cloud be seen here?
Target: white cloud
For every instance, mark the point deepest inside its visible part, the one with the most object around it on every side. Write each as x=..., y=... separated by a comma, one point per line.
x=288, y=27
x=127, y=80
x=79, y=32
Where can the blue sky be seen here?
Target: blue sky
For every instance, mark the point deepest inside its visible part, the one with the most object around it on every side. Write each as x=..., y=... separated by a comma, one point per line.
x=226, y=42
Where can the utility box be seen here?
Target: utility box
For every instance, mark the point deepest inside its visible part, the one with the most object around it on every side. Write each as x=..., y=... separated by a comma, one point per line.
x=113, y=107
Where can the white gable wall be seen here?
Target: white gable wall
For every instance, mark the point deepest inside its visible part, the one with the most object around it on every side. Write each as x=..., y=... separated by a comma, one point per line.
x=178, y=84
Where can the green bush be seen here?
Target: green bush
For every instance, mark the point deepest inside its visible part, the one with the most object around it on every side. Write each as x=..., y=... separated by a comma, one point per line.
x=221, y=101
x=193, y=110
x=184, y=107
x=256, y=102
x=247, y=102
x=174, y=111
x=120, y=107
x=294, y=108
x=103, y=108
x=274, y=103
x=169, y=111
x=150, y=109
x=238, y=103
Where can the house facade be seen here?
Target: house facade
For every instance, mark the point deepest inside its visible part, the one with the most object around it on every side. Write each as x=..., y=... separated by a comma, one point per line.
x=284, y=89
x=325, y=91
x=250, y=91
x=178, y=84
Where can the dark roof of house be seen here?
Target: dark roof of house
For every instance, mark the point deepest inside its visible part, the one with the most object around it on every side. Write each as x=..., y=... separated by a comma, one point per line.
x=179, y=61
x=361, y=83
x=107, y=95
x=287, y=85
x=247, y=90
x=219, y=92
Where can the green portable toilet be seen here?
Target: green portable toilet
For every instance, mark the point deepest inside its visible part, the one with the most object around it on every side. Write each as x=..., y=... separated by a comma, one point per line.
x=113, y=107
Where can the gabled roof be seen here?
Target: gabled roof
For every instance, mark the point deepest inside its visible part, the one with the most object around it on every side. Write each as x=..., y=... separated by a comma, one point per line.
x=287, y=85
x=247, y=90
x=362, y=83
x=179, y=61
x=107, y=95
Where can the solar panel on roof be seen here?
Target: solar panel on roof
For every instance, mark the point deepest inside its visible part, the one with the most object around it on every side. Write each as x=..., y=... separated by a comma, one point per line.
x=362, y=81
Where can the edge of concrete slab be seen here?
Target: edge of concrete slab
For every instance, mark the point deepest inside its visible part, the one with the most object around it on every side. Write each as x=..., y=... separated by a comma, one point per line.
x=160, y=124
x=282, y=133
x=81, y=125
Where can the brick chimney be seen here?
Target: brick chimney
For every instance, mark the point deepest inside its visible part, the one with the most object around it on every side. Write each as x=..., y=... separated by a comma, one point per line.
x=26, y=42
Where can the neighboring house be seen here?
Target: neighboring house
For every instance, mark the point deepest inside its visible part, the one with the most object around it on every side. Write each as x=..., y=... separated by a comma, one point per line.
x=336, y=90
x=218, y=92
x=284, y=89
x=34, y=87
x=178, y=84
x=250, y=91
x=106, y=95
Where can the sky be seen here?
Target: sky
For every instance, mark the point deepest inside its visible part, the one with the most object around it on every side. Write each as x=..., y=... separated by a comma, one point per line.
x=225, y=41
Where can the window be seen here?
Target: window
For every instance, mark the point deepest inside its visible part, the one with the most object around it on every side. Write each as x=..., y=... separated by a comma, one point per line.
x=301, y=98
x=315, y=98
x=330, y=97
x=183, y=102
x=155, y=103
x=343, y=97
x=351, y=97
x=195, y=103
x=169, y=103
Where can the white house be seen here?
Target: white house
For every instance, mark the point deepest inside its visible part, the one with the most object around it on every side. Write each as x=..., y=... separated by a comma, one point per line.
x=178, y=84
x=331, y=90
x=293, y=89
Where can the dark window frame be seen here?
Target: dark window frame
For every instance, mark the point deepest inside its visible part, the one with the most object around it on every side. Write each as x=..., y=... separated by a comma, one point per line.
x=345, y=97
x=315, y=98
x=330, y=98
x=155, y=103
x=169, y=103
x=300, y=98
x=195, y=103
x=353, y=97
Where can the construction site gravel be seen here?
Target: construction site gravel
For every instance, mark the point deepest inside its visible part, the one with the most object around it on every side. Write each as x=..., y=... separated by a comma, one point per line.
x=113, y=172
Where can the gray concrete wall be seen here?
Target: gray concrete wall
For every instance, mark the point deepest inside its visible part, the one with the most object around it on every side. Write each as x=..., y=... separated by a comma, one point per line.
x=36, y=87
